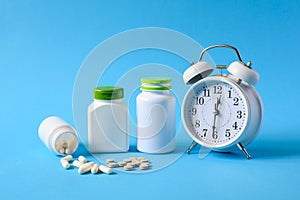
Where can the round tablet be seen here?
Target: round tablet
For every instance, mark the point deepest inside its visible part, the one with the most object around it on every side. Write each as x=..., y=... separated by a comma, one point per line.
x=128, y=167
x=110, y=160
x=144, y=167
x=113, y=165
x=122, y=163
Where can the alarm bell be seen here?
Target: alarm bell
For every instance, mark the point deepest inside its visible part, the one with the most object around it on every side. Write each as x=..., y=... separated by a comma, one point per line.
x=196, y=72
x=244, y=72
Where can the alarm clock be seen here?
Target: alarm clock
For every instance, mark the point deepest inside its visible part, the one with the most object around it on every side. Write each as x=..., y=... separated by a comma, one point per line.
x=222, y=112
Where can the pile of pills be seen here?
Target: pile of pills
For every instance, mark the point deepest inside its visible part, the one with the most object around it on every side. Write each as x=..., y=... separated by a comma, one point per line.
x=84, y=166
x=130, y=163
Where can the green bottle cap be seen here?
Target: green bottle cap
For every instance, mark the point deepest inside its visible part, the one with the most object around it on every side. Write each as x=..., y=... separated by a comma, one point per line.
x=108, y=93
x=156, y=83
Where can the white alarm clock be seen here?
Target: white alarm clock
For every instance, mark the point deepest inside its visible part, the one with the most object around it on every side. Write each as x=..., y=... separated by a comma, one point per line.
x=222, y=112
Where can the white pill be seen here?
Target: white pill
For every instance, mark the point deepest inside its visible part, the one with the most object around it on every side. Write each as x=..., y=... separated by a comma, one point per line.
x=122, y=163
x=128, y=167
x=105, y=169
x=62, y=151
x=67, y=158
x=82, y=159
x=84, y=168
x=144, y=167
x=90, y=163
x=76, y=163
x=110, y=160
x=113, y=165
x=127, y=160
x=65, y=163
x=137, y=163
x=68, y=151
x=131, y=158
x=141, y=158
x=95, y=169
x=130, y=164
x=144, y=162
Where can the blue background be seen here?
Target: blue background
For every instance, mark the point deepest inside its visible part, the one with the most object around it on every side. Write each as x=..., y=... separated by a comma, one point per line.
x=43, y=43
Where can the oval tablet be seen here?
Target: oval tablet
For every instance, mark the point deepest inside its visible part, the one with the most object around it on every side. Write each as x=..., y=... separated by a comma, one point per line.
x=68, y=158
x=95, y=169
x=105, y=169
x=82, y=159
x=76, y=163
x=65, y=163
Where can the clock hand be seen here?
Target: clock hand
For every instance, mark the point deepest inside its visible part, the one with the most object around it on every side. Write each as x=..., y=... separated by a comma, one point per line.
x=216, y=112
x=218, y=103
x=214, y=121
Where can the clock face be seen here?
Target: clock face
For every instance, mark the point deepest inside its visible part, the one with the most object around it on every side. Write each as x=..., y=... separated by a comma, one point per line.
x=215, y=112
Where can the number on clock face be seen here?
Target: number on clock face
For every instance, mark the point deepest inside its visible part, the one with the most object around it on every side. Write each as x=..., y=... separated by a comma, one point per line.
x=217, y=112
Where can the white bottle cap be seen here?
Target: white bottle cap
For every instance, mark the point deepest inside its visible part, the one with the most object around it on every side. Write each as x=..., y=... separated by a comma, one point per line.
x=58, y=136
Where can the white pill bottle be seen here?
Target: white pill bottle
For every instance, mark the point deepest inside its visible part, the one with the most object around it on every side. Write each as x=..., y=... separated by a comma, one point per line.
x=59, y=136
x=108, y=121
x=156, y=116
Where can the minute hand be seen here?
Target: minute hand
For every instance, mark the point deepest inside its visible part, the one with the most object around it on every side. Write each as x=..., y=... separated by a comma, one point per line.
x=215, y=113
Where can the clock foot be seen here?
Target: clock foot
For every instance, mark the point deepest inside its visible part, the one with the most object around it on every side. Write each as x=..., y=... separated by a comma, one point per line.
x=194, y=144
x=243, y=149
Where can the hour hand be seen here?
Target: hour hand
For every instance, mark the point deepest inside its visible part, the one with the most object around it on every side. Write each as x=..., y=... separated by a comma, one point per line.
x=219, y=101
x=216, y=111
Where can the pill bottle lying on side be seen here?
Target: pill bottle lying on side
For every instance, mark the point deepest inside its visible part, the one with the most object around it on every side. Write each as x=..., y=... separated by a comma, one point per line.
x=58, y=136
